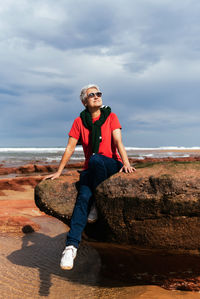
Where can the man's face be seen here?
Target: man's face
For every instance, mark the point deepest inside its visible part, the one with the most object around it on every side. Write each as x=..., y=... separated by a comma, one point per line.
x=93, y=98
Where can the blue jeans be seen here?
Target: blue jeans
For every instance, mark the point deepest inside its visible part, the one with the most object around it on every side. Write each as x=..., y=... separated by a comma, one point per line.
x=99, y=169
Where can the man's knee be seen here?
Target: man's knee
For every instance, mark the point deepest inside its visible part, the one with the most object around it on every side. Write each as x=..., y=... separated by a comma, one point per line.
x=84, y=195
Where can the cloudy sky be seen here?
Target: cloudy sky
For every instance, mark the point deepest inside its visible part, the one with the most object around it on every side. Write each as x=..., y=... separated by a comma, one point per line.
x=144, y=54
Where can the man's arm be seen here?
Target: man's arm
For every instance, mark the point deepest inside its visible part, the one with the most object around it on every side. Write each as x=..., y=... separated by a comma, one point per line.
x=72, y=142
x=117, y=138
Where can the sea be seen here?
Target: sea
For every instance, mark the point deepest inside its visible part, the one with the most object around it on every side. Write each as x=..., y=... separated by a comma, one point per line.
x=16, y=156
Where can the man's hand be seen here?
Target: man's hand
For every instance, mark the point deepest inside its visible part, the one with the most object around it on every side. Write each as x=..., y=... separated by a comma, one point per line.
x=52, y=176
x=127, y=169
x=117, y=137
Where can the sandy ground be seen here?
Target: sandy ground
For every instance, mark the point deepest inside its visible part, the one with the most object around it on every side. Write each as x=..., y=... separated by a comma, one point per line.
x=29, y=263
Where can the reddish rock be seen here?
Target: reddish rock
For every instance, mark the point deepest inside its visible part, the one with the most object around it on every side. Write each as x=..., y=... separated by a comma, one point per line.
x=156, y=206
x=7, y=170
x=15, y=224
x=45, y=168
x=57, y=197
x=35, y=168
x=163, y=160
x=75, y=165
x=18, y=182
x=28, y=168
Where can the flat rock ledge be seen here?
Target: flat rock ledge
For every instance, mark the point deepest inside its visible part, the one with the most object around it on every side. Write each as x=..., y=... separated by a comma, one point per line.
x=158, y=206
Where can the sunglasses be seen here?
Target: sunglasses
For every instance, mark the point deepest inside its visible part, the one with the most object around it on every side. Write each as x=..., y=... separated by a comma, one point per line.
x=93, y=94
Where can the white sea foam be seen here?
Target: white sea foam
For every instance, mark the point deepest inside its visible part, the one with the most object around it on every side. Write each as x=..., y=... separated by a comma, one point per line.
x=79, y=149
x=161, y=148
x=57, y=159
x=148, y=155
x=36, y=149
x=31, y=149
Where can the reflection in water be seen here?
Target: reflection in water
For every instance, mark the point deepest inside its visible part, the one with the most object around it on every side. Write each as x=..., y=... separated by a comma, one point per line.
x=128, y=265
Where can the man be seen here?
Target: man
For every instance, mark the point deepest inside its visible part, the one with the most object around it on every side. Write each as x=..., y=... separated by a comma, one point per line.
x=99, y=131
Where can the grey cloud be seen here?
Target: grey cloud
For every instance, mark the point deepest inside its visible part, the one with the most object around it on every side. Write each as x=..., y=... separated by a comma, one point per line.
x=64, y=25
x=165, y=119
x=143, y=54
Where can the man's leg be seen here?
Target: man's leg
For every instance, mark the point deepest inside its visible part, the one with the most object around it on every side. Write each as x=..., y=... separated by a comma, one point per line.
x=81, y=210
x=101, y=168
x=78, y=222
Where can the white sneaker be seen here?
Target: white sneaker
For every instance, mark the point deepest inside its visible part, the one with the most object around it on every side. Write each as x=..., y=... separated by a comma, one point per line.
x=93, y=216
x=68, y=256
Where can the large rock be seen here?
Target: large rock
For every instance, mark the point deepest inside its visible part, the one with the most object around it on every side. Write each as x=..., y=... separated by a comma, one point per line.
x=157, y=206
x=156, y=211
x=57, y=197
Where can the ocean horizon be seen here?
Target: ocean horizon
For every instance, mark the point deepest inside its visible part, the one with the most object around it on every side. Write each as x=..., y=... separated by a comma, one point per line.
x=23, y=155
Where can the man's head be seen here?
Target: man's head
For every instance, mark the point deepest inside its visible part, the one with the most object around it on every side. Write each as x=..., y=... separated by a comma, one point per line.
x=90, y=92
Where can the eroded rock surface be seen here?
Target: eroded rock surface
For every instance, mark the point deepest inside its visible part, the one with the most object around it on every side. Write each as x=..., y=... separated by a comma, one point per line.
x=157, y=211
x=158, y=206
x=57, y=197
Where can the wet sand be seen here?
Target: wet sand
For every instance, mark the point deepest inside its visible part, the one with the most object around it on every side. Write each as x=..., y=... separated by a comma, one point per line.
x=29, y=262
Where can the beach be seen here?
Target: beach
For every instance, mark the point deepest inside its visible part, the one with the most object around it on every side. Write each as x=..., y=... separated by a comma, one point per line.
x=31, y=242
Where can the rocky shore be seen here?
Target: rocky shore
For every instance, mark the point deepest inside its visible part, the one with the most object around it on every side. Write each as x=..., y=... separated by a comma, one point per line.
x=158, y=206
x=150, y=218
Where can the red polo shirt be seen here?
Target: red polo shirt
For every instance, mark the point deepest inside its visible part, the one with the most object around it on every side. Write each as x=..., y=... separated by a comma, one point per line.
x=107, y=146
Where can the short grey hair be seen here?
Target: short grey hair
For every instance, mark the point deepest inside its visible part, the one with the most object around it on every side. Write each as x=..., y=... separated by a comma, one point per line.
x=83, y=95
